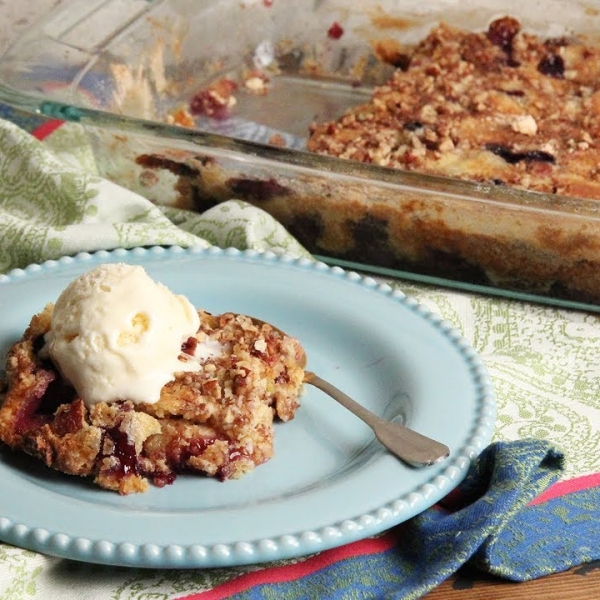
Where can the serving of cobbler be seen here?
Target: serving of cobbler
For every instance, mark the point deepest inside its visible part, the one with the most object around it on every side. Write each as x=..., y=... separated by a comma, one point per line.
x=216, y=421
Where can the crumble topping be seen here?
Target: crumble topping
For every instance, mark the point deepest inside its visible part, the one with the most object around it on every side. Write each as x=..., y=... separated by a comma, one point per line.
x=217, y=421
x=501, y=106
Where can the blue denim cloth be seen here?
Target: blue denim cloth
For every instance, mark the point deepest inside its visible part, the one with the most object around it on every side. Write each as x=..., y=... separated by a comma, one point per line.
x=491, y=526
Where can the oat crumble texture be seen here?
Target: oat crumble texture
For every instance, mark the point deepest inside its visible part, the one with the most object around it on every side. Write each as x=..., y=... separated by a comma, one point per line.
x=500, y=106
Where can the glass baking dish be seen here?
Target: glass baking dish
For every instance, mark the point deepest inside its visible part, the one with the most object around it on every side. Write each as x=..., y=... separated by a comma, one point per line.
x=129, y=69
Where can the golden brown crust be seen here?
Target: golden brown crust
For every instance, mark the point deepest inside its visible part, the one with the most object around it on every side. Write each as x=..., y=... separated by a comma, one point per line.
x=500, y=106
x=217, y=421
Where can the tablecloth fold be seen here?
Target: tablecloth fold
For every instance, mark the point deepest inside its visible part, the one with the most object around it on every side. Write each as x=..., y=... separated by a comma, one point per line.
x=53, y=203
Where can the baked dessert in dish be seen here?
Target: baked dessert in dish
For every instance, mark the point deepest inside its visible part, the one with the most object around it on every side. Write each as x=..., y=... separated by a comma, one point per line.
x=213, y=416
x=500, y=106
x=477, y=162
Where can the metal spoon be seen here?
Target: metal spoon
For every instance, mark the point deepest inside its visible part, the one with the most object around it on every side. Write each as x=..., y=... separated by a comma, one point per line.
x=413, y=448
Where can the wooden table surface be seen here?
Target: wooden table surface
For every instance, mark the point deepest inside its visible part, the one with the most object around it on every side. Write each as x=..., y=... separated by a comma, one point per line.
x=579, y=583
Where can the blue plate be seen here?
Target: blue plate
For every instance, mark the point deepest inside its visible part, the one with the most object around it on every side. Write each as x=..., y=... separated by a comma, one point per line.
x=330, y=481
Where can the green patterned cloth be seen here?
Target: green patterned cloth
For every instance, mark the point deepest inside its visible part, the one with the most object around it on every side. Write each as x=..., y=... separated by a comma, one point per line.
x=53, y=203
x=543, y=361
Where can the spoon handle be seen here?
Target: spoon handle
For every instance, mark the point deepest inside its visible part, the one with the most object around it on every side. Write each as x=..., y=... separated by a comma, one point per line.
x=411, y=447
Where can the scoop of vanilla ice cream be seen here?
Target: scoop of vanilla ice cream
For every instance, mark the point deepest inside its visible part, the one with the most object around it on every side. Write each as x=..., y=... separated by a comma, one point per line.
x=116, y=335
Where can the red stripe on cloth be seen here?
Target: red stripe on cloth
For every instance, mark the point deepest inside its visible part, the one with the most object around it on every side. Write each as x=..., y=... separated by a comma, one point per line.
x=45, y=129
x=453, y=501
x=295, y=571
x=570, y=486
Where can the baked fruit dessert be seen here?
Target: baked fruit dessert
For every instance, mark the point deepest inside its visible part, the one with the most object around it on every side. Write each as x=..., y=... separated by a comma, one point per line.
x=516, y=114
x=500, y=106
x=126, y=383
